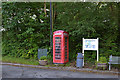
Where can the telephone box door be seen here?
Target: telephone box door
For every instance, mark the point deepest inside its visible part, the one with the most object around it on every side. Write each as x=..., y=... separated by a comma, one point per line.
x=57, y=49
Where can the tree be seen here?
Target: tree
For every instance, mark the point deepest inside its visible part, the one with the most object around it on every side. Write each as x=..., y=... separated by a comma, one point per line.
x=89, y=20
x=27, y=29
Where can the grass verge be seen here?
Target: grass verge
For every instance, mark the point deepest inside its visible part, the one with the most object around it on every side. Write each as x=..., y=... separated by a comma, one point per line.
x=19, y=60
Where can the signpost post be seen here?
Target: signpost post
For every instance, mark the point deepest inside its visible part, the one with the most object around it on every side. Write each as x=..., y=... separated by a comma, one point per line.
x=90, y=44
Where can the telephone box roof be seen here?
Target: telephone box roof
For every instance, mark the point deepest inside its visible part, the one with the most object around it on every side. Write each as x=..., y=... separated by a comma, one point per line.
x=61, y=31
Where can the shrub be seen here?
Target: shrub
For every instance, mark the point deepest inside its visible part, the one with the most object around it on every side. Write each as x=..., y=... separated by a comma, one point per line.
x=43, y=58
x=102, y=60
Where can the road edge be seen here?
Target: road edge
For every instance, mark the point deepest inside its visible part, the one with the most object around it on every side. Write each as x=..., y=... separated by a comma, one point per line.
x=62, y=68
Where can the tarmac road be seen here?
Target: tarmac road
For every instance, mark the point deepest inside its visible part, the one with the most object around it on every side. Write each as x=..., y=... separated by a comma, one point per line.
x=25, y=72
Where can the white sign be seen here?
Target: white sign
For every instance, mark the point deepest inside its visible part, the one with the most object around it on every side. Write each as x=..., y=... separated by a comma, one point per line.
x=90, y=44
x=65, y=34
x=58, y=33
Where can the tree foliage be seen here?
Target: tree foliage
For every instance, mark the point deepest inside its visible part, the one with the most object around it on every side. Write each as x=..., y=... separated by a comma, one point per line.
x=90, y=20
x=28, y=27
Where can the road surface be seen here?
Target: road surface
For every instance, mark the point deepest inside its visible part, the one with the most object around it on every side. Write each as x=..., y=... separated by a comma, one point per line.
x=25, y=72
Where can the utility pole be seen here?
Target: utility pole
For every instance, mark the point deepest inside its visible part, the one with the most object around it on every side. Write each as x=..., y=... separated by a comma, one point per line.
x=51, y=33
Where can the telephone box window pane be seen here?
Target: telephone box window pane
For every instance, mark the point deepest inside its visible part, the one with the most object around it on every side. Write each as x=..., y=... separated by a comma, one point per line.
x=65, y=37
x=57, y=57
x=57, y=37
x=65, y=43
x=58, y=44
x=66, y=57
x=57, y=40
x=65, y=46
x=57, y=51
x=57, y=47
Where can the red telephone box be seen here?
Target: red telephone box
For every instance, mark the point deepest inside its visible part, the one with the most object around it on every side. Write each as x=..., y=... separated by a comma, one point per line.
x=60, y=47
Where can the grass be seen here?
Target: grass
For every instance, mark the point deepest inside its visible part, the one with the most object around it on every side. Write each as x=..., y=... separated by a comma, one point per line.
x=19, y=60
x=10, y=59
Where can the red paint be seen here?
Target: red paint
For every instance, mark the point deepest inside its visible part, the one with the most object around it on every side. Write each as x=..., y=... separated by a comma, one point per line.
x=60, y=47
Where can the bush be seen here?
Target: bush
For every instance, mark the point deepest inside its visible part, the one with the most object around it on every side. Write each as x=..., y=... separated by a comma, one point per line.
x=102, y=60
x=43, y=58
